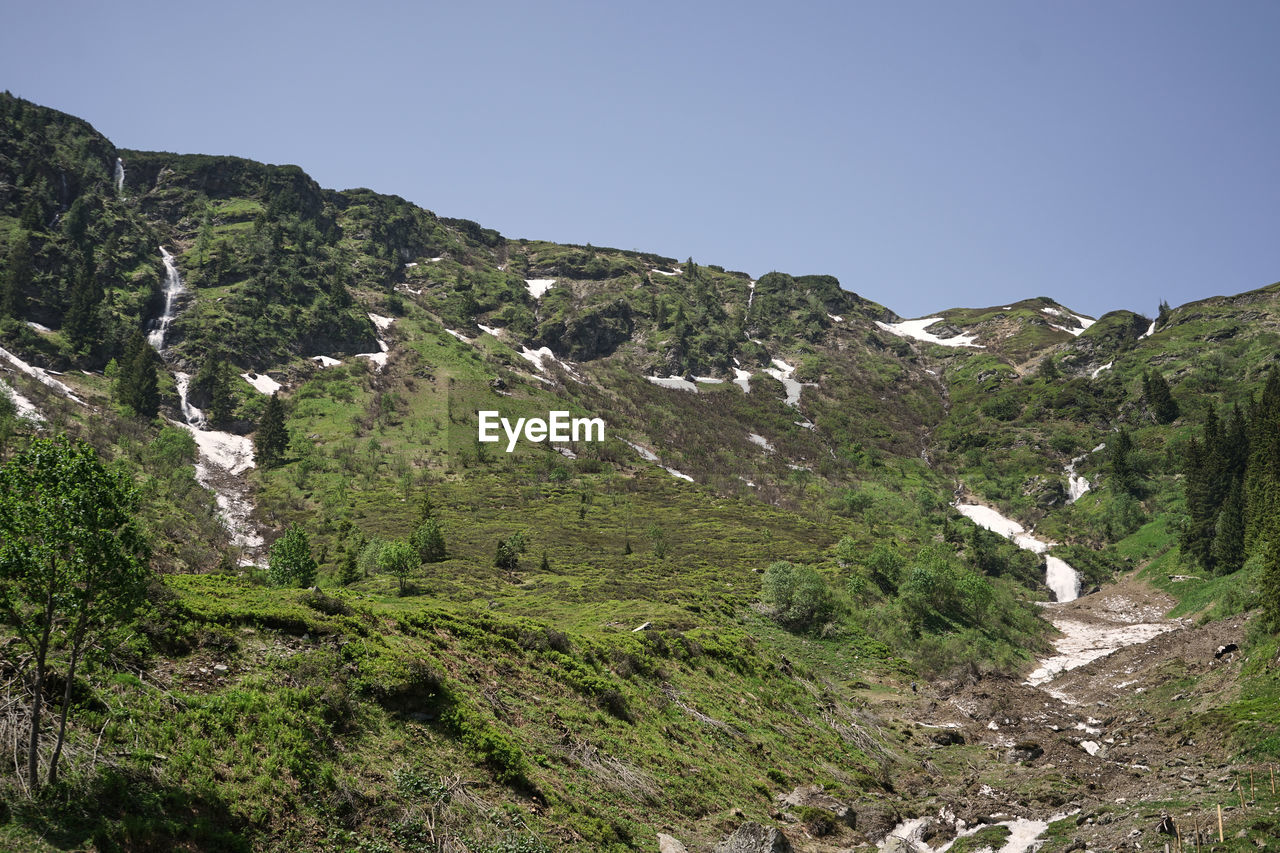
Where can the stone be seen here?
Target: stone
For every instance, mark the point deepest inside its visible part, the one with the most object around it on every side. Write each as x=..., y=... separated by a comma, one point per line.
x=812, y=796
x=667, y=844
x=754, y=838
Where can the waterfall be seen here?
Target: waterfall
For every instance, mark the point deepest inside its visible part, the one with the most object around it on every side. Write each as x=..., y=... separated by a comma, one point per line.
x=172, y=287
x=223, y=456
x=1076, y=485
x=1061, y=579
x=120, y=177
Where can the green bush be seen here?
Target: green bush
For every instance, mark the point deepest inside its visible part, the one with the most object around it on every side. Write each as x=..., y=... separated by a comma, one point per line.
x=799, y=596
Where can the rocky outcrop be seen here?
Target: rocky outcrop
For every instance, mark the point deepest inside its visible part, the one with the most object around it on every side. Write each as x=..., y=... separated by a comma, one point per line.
x=754, y=838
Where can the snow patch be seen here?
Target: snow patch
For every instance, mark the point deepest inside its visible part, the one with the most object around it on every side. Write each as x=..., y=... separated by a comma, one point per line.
x=782, y=372
x=24, y=407
x=537, y=356
x=742, y=378
x=1098, y=372
x=459, y=336
x=41, y=375
x=649, y=456
x=325, y=361
x=383, y=323
x=38, y=327
x=1076, y=485
x=677, y=272
x=677, y=382
x=538, y=286
x=1063, y=580
x=916, y=329
x=710, y=380
x=835, y=318
x=1084, y=642
x=489, y=330
x=264, y=383
x=756, y=438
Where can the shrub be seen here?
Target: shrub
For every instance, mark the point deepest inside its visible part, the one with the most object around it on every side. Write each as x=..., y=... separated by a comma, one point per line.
x=799, y=596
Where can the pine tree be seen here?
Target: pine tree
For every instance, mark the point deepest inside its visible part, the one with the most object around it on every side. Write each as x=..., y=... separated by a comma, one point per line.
x=17, y=276
x=271, y=441
x=214, y=386
x=350, y=571
x=1228, y=542
x=1124, y=479
x=83, y=324
x=1159, y=399
x=1269, y=587
x=138, y=386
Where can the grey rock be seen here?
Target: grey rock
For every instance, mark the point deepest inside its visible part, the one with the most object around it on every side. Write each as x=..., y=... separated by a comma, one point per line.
x=754, y=838
x=667, y=844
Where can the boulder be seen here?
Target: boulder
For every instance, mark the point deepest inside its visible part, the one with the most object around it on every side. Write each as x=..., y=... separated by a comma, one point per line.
x=754, y=838
x=812, y=796
x=667, y=844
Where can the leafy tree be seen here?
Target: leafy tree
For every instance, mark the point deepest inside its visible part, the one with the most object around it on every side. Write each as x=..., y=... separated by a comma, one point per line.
x=271, y=441
x=73, y=566
x=398, y=558
x=508, y=554
x=799, y=596
x=290, y=562
x=428, y=541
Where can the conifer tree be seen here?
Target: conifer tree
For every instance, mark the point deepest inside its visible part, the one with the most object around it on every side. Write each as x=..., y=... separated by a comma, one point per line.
x=138, y=383
x=1123, y=476
x=428, y=540
x=1228, y=542
x=1159, y=399
x=212, y=383
x=271, y=441
x=17, y=276
x=83, y=324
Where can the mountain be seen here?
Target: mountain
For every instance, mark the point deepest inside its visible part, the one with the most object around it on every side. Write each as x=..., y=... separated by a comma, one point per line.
x=759, y=605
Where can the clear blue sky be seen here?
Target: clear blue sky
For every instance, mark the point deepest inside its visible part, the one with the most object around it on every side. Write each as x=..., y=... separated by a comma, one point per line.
x=928, y=154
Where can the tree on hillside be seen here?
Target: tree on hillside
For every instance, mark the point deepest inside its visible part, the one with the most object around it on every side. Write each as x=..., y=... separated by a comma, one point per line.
x=290, y=562
x=138, y=385
x=73, y=567
x=1159, y=399
x=17, y=276
x=83, y=323
x=213, y=384
x=428, y=540
x=398, y=558
x=271, y=441
x=1123, y=477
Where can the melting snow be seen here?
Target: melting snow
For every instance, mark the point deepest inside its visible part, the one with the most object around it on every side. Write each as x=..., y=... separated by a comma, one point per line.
x=835, y=318
x=536, y=356
x=383, y=323
x=742, y=378
x=1063, y=580
x=916, y=329
x=264, y=383
x=41, y=375
x=326, y=361
x=538, y=286
x=1096, y=373
x=378, y=358
x=782, y=372
x=677, y=272
x=710, y=380
x=39, y=328
x=411, y=264
x=676, y=382
x=755, y=438
x=459, y=336
x=649, y=456
x=491, y=330
x=25, y=408
x=1083, y=642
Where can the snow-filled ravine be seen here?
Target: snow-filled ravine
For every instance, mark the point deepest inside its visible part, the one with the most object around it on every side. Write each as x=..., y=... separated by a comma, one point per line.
x=223, y=456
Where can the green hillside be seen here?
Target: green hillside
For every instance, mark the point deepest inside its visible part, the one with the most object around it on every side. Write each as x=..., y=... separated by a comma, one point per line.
x=756, y=583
